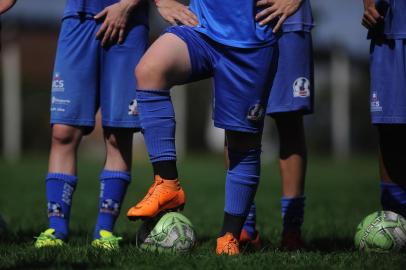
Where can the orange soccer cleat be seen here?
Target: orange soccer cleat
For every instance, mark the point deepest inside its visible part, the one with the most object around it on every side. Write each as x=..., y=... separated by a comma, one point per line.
x=227, y=245
x=163, y=195
x=245, y=239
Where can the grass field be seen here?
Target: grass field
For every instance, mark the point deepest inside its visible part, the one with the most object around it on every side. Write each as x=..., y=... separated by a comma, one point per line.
x=339, y=195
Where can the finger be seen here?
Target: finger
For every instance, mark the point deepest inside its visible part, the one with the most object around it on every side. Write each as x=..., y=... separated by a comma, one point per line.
x=186, y=20
x=113, y=35
x=191, y=16
x=121, y=36
x=270, y=18
x=366, y=24
x=261, y=3
x=370, y=19
x=102, y=30
x=195, y=18
x=280, y=23
x=375, y=14
x=171, y=20
x=101, y=14
x=264, y=13
x=106, y=36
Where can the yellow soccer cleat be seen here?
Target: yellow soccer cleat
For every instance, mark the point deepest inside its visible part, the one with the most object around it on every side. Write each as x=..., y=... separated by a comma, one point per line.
x=48, y=239
x=107, y=241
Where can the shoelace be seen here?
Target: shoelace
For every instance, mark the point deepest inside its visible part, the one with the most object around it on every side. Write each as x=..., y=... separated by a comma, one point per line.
x=111, y=240
x=44, y=236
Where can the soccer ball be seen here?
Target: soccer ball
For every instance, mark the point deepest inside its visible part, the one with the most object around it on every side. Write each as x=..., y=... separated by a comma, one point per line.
x=168, y=233
x=381, y=231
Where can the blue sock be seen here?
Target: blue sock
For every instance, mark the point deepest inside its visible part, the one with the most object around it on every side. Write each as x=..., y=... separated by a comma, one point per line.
x=157, y=118
x=393, y=198
x=250, y=221
x=60, y=188
x=242, y=181
x=292, y=213
x=113, y=186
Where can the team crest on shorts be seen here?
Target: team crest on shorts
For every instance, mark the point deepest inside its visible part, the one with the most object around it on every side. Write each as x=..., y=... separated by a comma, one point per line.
x=58, y=84
x=375, y=104
x=255, y=113
x=301, y=87
x=133, y=108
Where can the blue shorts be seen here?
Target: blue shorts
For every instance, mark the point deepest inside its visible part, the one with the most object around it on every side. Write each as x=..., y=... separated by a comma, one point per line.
x=241, y=79
x=87, y=76
x=388, y=82
x=293, y=87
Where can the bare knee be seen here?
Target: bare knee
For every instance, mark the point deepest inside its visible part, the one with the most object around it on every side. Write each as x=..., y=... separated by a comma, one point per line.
x=119, y=139
x=150, y=76
x=66, y=135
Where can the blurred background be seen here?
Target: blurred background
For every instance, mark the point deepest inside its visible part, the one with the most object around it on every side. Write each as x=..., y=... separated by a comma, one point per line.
x=339, y=128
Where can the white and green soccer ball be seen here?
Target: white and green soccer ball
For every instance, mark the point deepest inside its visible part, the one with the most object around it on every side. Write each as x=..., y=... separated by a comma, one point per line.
x=382, y=231
x=170, y=233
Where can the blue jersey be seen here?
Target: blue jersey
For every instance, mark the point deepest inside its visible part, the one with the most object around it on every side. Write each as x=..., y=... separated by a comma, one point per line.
x=395, y=20
x=232, y=23
x=302, y=20
x=92, y=7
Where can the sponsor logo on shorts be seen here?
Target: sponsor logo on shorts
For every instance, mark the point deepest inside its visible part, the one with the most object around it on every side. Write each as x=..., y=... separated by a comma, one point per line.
x=57, y=104
x=110, y=206
x=58, y=85
x=133, y=108
x=255, y=113
x=375, y=104
x=59, y=101
x=55, y=210
x=301, y=88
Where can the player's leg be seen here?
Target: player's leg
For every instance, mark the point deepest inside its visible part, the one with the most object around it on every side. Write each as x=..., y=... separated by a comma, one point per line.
x=393, y=175
x=388, y=111
x=114, y=180
x=120, y=120
x=241, y=112
x=249, y=234
x=292, y=97
x=292, y=165
x=244, y=150
x=166, y=63
x=73, y=105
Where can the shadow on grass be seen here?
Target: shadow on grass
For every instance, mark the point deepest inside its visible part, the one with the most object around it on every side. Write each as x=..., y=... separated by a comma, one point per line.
x=325, y=245
x=331, y=244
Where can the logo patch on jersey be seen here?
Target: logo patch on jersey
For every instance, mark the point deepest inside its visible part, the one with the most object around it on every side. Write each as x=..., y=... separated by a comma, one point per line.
x=133, y=108
x=55, y=210
x=301, y=87
x=255, y=113
x=58, y=85
x=375, y=104
x=110, y=206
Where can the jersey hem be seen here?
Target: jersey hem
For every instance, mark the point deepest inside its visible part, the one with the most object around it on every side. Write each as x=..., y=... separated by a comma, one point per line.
x=234, y=43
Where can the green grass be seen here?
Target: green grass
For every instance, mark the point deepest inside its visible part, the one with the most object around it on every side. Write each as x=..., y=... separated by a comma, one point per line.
x=339, y=195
